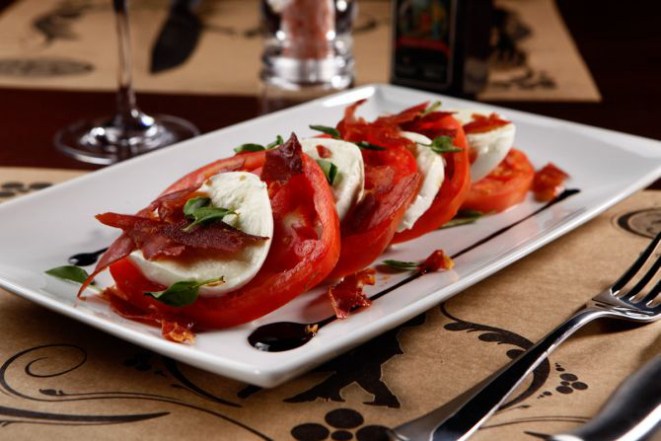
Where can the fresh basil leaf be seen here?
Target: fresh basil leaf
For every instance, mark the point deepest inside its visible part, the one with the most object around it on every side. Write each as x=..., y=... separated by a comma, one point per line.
x=278, y=141
x=369, y=146
x=401, y=265
x=472, y=213
x=464, y=217
x=69, y=272
x=332, y=131
x=457, y=221
x=194, y=204
x=181, y=293
x=329, y=169
x=249, y=148
x=206, y=214
x=443, y=144
x=433, y=108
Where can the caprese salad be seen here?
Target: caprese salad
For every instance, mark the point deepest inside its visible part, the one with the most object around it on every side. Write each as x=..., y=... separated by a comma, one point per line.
x=242, y=236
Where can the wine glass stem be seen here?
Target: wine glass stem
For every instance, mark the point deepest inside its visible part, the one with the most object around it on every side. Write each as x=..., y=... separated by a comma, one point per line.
x=126, y=106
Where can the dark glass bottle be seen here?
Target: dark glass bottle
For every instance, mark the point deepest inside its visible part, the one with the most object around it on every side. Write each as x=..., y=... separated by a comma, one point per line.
x=441, y=45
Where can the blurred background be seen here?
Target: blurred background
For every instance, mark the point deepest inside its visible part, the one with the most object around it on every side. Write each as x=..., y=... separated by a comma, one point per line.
x=218, y=62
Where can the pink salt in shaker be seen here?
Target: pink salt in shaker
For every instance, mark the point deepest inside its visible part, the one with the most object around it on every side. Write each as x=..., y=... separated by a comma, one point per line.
x=308, y=49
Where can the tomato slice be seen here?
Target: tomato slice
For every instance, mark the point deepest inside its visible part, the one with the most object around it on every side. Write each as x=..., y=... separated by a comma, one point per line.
x=505, y=186
x=391, y=183
x=304, y=250
x=456, y=184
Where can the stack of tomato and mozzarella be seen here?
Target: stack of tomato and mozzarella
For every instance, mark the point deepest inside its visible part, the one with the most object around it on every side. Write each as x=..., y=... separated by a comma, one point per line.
x=240, y=237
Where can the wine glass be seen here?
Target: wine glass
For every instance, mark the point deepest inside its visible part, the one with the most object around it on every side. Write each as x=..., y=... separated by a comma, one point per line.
x=130, y=132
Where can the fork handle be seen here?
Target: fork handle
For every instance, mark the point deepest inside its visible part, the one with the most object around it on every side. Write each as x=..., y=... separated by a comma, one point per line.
x=471, y=409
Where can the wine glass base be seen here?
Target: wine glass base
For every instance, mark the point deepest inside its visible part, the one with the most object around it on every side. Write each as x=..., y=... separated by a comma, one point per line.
x=103, y=142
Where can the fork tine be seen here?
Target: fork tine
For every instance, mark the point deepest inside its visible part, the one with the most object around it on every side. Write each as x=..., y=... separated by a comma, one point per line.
x=637, y=265
x=649, y=298
x=633, y=292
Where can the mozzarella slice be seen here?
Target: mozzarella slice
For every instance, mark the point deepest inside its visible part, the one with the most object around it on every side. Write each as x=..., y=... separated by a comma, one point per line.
x=491, y=147
x=432, y=168
x=248, y=196
x=349, y=183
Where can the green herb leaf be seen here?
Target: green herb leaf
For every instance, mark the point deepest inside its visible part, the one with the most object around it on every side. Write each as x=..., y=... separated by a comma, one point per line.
x=443, y=144
x=249, y=148
x=464, y=217
x=369, y=146
x=204, y=215
x=472, y=213
x=401, y=265
x=181, y=293
x=332, y=131
x=330, y=170
x=278, y=141
x=194, y=204
x=434, y=107
x=456, y=222
x=69, y=272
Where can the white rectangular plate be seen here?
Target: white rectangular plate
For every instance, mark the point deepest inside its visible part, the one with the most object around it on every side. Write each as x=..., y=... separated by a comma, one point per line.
x=42, y=230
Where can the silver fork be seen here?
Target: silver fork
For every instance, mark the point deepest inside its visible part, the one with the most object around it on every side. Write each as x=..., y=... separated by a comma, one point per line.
x=461, y=417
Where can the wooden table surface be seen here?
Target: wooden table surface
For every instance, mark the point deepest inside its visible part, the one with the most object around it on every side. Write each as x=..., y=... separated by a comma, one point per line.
x=621, y=43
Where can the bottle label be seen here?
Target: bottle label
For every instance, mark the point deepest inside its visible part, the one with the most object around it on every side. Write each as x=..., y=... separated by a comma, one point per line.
x=424, y=36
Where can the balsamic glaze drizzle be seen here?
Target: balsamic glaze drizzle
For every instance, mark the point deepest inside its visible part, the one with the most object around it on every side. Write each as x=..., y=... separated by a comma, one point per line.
x=285, y=336
x=84, y=259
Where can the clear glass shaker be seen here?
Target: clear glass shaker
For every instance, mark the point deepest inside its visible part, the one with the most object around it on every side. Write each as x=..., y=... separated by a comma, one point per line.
x=308, y=48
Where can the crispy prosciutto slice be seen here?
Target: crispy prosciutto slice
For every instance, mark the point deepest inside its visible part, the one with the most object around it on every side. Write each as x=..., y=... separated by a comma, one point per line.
x=324, y=152
x=157, y=238
x=173, y=327
x=437, y=260
x=482, y=124
x=170, y=204
x=348, y=294
x=548, y=182
x=284, y=162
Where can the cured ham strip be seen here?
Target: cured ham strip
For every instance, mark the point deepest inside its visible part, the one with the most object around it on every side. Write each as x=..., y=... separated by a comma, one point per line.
x=157, y=238
x=429, y=126
x=324, y=152
x=171, y=204
x=369, y=213
x=284, y=162
x=482, y=124
x=175, y=328
x=386, y=130
x=437, y=260
x=119, y=249
x=548, y=182
x=404, y=116
x=348, y=294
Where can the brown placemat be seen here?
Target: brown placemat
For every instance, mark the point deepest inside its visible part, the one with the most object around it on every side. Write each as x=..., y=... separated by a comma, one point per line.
x=537, y=59
x=63, y=380
x=70, y=44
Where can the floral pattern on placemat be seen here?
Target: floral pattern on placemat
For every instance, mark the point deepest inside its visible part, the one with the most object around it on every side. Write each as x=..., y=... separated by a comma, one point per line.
x=10, y=189
x=345, y=421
